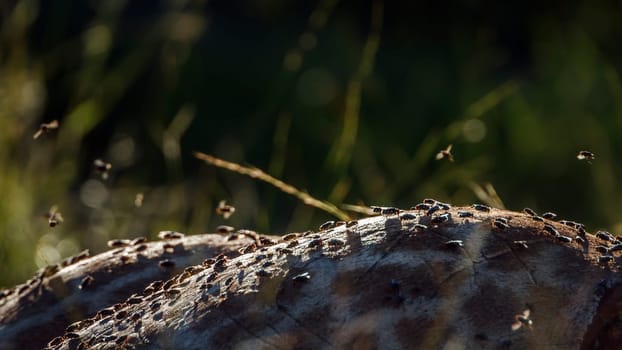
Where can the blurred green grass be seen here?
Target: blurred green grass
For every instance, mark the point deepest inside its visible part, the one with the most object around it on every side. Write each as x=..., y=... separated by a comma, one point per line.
x=347, y=100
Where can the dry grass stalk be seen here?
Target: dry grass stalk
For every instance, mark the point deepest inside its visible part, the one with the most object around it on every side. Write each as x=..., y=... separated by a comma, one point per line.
x=289, y=189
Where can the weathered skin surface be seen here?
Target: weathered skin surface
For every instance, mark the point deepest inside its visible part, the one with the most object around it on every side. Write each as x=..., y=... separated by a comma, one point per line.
x=382, y=283
x=35, y=312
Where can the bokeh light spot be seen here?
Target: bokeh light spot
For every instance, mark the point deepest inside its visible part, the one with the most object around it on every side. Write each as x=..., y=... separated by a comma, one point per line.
x=307, y=41
x=317, y=87
x=292, y=60
x=97, y=40
x=93, y=193
x=46, y=252
x=474, y=130
x=67, y=247
x=122, y=151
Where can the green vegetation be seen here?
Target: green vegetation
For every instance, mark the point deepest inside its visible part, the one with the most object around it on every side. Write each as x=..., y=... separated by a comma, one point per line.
x=349, y=101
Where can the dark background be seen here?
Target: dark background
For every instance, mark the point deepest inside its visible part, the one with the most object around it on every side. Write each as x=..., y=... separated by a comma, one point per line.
x=348, y=100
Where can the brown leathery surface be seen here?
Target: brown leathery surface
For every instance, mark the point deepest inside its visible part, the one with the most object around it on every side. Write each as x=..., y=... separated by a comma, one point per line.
x=384, y=283
x=35, y=312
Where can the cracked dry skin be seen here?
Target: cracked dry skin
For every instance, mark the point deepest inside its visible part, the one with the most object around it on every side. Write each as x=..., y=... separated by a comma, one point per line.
x=388, y=282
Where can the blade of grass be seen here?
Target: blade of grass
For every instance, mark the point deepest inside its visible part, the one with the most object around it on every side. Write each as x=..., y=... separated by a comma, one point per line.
x=487, y=194
x=341, y=152
x=279, y=144
x=257, y=173
x=357, y=208
x=491, y=99
x=340, y=155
